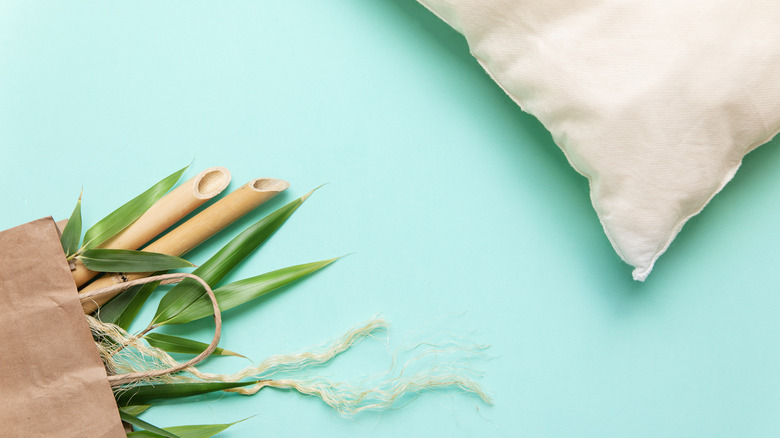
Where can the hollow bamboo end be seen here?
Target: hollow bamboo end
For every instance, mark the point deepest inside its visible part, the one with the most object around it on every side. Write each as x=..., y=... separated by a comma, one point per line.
x=268, y=185
x=211, y=182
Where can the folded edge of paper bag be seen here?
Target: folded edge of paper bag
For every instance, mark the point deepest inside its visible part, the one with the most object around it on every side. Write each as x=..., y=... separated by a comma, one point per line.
x=52, y=380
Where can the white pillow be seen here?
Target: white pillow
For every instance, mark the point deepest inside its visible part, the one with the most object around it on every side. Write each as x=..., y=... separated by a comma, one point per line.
x=655, y=102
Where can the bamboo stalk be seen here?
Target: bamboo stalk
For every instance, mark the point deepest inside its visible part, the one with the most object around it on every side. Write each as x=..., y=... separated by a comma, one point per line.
x=197, y=230
x=170, y=209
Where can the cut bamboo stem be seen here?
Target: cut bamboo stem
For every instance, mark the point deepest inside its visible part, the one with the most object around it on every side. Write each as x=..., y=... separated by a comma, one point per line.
x=224, y=212
x=170, y=209
x=197, y=230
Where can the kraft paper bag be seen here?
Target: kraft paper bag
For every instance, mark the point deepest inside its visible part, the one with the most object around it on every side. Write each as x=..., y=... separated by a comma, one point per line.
x=52, y=381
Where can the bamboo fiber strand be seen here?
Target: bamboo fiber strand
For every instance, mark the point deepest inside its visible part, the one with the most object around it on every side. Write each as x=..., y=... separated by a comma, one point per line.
x=426, y=366
x=167, y=278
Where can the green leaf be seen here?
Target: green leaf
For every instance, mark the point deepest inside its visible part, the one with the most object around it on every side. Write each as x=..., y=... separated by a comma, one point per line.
x=175, y=344
x=135, y=421
x=71, y=235
x=215, y=269
x=194, y=431
x=123, y=308
x=239, y=292
x=144, y=394
x=125, y=260
x=125, y=215
x=135, y=410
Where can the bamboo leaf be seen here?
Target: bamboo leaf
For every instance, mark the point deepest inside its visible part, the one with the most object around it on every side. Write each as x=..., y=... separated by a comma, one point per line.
x=194, y=431
x=125, y=260
x=175, y=344
x=215, y=269
x=144, y=394
x=239, y=292
x=71, y=235
x=125, y=215
x=123, y=308
x=135, y=421
x=136, y=410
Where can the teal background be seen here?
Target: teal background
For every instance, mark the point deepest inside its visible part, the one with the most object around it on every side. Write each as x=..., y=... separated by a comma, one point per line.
x=459, y=209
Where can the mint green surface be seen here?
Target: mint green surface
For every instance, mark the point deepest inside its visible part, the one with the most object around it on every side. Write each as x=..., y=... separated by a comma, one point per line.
x=460, y=211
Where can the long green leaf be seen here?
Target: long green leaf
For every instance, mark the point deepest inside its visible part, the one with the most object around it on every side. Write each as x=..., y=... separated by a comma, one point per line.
x=194, y=431
x=135, y=421
x=215, y=269
x=145, y=394
x=175, y=344
x=125, y=215
x=125, y=260
x=71, y=235
x=123, y=308
x=239, y=292
x=135, y=410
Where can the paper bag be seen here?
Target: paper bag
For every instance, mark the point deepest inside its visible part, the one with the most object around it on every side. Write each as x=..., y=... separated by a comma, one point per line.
x=52, y=381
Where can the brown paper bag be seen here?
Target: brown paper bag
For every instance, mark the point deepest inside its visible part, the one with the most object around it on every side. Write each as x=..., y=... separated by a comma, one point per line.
x=52, y=381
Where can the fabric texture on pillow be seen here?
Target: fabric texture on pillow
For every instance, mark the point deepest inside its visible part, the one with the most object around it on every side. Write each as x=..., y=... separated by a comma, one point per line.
x=654, y=102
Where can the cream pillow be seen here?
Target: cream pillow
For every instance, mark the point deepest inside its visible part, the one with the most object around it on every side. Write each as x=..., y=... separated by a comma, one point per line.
x=655, y=102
